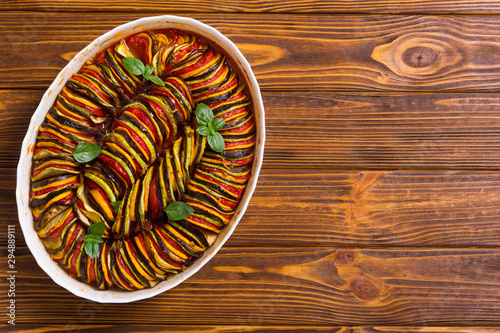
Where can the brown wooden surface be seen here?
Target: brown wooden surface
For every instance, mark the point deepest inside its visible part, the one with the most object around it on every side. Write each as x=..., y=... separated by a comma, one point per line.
x=296, y=285
x=353, y=208
x=258, y=6
x=378, y=206
x=245, y=328
x=290, y=52
x=384, y=131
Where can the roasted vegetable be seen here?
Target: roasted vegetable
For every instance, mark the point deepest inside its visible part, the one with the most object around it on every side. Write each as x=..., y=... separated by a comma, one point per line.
x=152, y=155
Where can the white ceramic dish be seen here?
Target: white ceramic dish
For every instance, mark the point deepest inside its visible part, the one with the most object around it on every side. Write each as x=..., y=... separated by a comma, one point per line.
x=35, y=245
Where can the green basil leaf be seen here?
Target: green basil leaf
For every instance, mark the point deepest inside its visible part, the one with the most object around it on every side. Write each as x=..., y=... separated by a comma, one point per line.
x=91, y=249
x=134, y=65
x=178, y=210
x=216, y=142
x=116, y=205
x=204, y=114
x=149, y=70
x=86, y=152
x=97, y=229
x=203, y=130
x=90, y=238
x=218, y=124
x=155, y=79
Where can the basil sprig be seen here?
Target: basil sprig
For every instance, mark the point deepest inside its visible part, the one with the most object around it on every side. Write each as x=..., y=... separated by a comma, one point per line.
x=210, y=127
x=86, y=152
x=178, y=210
x=136, y=67
x=93, y=239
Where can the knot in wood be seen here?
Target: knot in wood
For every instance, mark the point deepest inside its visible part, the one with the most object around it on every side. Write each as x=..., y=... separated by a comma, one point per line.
x=364, y=288
x=419, y=56
x=345, y=256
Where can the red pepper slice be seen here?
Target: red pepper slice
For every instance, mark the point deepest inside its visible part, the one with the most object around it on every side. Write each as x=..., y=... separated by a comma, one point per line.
x=239, y=143
x=124, y=267
x=91, y=273
x=238, y=96
x=227, y=86
x=153, y=199
x=115, y=166
x=65, y=167
x=222, y=201
x=98, y=112
x=56, y=233
x=54, y=150
x=240, y=129
x=92, y=87
x=144, y=118
x=233, y=113
x=53, y=136
x=134, y=136
x=212, y=79
x=236, y=191
x=197, y=220
x=168, y=94
x=171, y=242
x=204, y=167
x=53, y=188
x=74, y=257
x=162, y=254
x=205, y=59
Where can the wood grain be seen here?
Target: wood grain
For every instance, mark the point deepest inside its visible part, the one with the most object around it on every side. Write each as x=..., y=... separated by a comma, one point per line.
x=16, y=109
x=373, y=208
x=259, y=6
x=299, y=286
x=382, y=131
x=328, y=208
x=239, y=328
x=377, y=209
x=177, y=329
x=400, y=329
x=342, y=131
x=290, y=52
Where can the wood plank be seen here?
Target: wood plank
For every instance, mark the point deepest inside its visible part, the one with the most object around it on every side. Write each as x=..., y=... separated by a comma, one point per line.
x=330, y=208
x=372, y=208
x=289, y=52
x=239, y=328
x=259, y=6
x=71, y=328
x=292, y=286
x=16, y=109
x=441, y=329
x=342, y=131
x=382, y=131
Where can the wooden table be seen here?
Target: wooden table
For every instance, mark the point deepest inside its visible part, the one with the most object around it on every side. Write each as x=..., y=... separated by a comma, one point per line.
x=378, y=206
